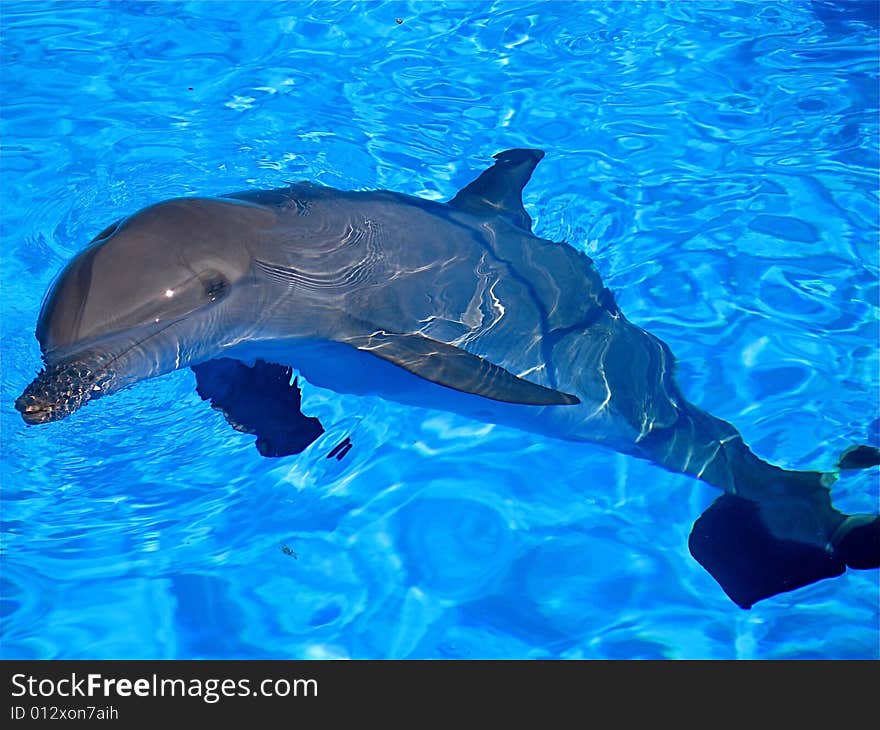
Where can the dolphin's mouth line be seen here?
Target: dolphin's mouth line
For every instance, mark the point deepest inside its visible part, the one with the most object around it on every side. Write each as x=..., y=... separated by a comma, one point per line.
x=143, y=340
x=63, y=388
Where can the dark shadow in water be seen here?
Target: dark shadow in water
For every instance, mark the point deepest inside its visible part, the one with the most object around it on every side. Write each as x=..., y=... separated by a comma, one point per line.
x=838, y=14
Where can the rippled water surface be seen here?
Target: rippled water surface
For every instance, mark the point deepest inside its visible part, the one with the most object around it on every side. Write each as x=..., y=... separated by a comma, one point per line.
x=718, y=161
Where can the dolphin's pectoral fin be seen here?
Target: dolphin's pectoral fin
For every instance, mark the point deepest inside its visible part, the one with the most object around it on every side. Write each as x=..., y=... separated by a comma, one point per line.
x=260, y=400
x=498, y=190
x=458, y=369
x=731, y=541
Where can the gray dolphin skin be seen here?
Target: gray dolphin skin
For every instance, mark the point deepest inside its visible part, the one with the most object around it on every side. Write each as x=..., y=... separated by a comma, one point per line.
x=455, y=306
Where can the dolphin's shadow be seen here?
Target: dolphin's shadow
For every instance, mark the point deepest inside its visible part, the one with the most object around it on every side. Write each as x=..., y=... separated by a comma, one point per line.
x=262, y=399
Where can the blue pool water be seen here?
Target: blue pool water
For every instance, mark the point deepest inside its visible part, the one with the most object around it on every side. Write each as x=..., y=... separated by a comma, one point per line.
x=718, y=161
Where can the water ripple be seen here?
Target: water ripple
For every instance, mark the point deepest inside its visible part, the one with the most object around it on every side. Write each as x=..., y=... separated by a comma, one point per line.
x=717, y=161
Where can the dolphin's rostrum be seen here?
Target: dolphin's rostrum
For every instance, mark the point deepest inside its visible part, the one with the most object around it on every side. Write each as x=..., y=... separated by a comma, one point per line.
x=456, y=306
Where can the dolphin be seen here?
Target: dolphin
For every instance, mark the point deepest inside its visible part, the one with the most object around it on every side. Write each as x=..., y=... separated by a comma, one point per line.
x=456, y=306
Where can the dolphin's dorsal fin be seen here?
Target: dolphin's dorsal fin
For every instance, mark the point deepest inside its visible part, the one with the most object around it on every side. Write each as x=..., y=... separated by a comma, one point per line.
x=498, y=190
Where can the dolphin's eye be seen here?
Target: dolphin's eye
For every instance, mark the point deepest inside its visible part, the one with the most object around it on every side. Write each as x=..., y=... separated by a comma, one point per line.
x=216, y=286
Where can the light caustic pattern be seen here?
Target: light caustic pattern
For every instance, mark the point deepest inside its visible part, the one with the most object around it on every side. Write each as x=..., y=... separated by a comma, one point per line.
x=719, y=164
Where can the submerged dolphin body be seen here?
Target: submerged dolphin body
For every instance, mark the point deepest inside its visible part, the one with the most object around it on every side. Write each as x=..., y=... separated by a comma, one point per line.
x=456, y=306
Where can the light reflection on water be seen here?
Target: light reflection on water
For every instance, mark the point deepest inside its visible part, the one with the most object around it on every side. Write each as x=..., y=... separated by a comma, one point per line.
x=717, y=161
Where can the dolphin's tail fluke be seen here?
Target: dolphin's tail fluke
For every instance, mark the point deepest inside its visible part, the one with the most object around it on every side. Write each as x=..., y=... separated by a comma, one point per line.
x=773, y=530
x=857, y=542
x=733, y=542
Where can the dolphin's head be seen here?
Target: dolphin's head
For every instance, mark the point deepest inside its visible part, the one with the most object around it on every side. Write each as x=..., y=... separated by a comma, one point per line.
x=143, y=299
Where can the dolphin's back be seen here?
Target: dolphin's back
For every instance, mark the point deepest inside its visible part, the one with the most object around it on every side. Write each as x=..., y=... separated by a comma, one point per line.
x=392, y=263
x=423, y=266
